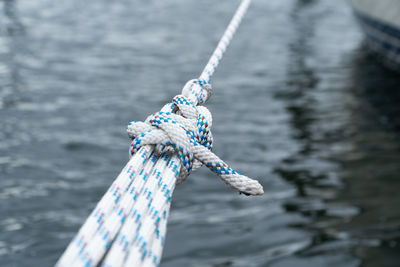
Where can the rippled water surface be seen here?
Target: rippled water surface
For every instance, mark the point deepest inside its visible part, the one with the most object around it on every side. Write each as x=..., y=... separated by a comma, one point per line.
x=298, y=102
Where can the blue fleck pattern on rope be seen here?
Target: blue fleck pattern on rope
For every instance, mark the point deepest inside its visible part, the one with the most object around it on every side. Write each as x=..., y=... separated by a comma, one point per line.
x=188, y=132
x=128, y=225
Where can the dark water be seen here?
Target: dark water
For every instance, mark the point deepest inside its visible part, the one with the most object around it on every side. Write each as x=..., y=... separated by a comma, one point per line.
x=298, y=102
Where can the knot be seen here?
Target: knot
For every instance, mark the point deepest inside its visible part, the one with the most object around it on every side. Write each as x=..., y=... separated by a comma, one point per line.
x=184, y=128
x=176, y=130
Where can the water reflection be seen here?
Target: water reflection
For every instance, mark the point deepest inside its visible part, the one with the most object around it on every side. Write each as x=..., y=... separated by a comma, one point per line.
x=378, y=86
x=371, y=165
x=10, y=46
x=13, y=24
x=301, y=80
x=359, y=147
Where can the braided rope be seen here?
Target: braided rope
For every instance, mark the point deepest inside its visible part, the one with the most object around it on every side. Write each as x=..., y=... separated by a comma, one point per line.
x=128, y=225
x=226, y=38
x=190, y=137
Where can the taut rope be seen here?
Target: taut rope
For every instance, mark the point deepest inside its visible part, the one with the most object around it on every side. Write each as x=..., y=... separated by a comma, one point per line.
x=128, y=225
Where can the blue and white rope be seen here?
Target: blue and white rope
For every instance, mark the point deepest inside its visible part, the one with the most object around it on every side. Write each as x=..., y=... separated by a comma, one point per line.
x=188, y=134
x=128, y=225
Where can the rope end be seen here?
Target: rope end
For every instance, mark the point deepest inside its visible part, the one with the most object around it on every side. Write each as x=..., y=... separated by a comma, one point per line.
x=256, y=189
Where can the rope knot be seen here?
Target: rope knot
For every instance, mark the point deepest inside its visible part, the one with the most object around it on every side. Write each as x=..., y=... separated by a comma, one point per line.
x=185, y=128
x=179, y=129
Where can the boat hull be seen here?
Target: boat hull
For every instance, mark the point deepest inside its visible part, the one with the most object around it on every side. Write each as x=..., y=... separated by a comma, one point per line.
x=380, y=20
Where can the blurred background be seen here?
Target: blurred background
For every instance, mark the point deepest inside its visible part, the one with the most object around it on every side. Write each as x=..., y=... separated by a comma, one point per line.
x=317, y=116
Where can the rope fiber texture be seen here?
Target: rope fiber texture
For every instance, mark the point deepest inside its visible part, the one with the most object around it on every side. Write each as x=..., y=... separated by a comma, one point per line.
x=187, y=132
x=128, y=225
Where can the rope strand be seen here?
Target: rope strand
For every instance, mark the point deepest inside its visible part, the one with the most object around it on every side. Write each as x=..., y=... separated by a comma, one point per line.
x=128, y=225
x=225, y=40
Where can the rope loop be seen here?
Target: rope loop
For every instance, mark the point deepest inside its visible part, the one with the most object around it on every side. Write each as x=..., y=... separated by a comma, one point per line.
x=185, y=128
x=128, y=225
x=177, y=130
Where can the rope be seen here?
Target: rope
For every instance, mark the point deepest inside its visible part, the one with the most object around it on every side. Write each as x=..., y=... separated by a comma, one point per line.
x=128, y=225
x=188, y=134
x=226, y=38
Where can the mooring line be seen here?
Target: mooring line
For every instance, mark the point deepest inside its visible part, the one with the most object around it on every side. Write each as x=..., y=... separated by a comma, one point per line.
x=128, y=225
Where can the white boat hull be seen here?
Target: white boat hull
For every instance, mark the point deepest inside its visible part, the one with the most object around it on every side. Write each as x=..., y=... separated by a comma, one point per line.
x=380, y=20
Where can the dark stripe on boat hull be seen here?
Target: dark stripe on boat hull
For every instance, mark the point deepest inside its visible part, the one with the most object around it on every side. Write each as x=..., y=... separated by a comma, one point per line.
x=382, y=38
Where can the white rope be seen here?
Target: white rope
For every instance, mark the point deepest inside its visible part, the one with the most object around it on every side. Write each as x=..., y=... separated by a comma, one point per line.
x=226, y=38
x=128, y=225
